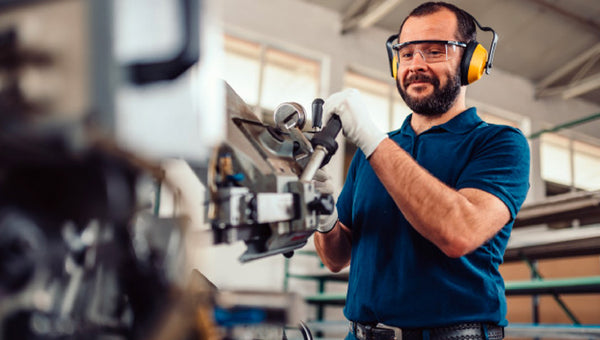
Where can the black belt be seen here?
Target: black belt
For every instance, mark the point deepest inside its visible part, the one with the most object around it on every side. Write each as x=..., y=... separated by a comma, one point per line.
x=463, y=331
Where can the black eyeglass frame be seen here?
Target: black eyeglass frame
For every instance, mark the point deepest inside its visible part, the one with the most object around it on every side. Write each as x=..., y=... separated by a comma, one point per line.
x=397, y=47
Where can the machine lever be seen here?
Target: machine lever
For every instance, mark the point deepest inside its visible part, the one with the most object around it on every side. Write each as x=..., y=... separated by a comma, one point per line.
x=324, y=145
x=317, y=112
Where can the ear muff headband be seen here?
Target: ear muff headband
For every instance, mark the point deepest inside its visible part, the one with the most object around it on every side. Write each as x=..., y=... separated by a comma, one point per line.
x=493, y=44
x=475, y=59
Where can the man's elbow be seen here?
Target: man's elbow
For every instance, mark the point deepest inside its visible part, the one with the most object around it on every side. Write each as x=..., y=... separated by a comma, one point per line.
x=333, y=263
x=334, y=267
x=334, y=248
x=454, y=252
x=458, y=247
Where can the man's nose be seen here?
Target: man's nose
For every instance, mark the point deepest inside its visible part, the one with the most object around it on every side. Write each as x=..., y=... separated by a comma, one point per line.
x=418, y=60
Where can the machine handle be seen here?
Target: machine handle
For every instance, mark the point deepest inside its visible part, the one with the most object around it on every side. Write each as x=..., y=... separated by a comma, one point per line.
x=317, y=112
x=331, y=130
x=145, y=73
x=324, y=145
x=325, y=137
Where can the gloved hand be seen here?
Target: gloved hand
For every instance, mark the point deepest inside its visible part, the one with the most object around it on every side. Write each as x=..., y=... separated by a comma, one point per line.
x=324, y=185
x=356, y=123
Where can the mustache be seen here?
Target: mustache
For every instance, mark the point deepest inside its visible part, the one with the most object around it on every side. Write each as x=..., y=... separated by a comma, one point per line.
x=419, y=77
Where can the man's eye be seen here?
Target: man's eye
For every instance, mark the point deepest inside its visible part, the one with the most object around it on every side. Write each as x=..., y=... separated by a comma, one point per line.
x=434, y=52
x=406, y=55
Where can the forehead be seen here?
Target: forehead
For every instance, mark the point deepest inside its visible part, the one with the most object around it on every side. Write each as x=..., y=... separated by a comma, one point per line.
x=441, y=25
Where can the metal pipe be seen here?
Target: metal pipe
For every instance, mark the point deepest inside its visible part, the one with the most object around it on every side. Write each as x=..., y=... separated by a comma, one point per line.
x=565, y=125
x=314, y=163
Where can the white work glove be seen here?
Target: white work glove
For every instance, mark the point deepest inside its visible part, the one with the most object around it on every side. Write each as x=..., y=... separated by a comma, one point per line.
x=324, y=185
x=356, y=123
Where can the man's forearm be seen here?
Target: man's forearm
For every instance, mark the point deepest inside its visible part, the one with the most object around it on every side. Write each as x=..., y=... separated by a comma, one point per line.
x=334, y=248
x=452, y=220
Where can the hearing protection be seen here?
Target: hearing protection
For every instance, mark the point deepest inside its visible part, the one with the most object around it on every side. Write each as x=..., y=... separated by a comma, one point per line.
x=474, y=62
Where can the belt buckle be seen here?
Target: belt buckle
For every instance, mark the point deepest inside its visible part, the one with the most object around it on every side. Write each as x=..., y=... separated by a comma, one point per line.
x=495, y=332
x=363, y=332
x=367, y=332
x=397, y=331
x=358, y=330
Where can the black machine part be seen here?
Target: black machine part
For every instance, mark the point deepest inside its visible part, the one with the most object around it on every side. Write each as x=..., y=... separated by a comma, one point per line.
x=142, y=73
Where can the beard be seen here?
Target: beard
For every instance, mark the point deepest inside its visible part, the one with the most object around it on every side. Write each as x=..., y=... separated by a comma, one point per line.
x=438, y=102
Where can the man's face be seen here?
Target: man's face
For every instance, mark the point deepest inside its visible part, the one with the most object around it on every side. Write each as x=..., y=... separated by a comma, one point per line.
x=429, y=88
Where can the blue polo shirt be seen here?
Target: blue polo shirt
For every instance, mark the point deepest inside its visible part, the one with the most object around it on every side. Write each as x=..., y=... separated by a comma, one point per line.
x=398, y=277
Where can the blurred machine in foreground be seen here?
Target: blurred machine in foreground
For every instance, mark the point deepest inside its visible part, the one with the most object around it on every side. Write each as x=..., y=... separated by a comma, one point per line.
x=81, y=254
x=93, y=95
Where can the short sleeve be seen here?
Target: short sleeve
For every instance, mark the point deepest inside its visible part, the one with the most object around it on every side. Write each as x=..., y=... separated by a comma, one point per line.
x=500, y=166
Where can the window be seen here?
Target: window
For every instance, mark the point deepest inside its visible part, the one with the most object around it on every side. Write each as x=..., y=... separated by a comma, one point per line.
x=569, y=164
x=555, y=158
x=385, y=104
x=586, y=164
x=289, y=77
x=265, y=76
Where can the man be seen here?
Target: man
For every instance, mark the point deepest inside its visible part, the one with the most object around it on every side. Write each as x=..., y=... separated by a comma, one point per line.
x=426, y=211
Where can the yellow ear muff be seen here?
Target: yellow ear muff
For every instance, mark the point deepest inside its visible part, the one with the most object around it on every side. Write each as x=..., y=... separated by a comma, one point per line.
x=477, y=64
x=473, y=63
x=392, y=57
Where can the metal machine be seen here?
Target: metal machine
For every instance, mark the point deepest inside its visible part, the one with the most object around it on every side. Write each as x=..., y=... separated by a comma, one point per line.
x=260, y=179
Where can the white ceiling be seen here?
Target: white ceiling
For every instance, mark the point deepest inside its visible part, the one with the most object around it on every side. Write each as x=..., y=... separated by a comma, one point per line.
x=553, y=43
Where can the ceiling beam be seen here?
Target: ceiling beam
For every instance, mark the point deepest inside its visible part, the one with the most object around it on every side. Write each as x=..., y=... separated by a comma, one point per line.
x=577, y=67
x=585, y=22
x=370, y=16
x=355, y=7
x=567, y=68
x=585, y=69
x=573, y=89
x=582, y=86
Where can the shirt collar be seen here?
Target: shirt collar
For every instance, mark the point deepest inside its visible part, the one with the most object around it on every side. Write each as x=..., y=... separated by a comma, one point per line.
x=462, y=123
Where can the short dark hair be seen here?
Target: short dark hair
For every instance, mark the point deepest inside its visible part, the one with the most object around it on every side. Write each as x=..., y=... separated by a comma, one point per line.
x=466, y=23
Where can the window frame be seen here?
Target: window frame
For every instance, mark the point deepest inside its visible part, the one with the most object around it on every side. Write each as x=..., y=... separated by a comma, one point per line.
x=266, y=50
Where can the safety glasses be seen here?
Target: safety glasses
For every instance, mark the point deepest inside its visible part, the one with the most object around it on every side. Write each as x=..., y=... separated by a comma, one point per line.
x=432, y=51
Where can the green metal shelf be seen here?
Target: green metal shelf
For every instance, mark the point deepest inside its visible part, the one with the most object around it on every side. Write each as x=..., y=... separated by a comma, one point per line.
x=578, y=285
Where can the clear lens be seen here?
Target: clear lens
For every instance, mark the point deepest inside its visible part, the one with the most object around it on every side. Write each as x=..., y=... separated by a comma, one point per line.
x=431, y=52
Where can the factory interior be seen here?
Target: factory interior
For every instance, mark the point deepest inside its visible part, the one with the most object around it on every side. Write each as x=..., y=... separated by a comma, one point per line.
x=157, y=161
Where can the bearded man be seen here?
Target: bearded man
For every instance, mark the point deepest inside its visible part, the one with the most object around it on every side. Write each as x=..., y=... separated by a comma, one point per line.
x=426, y=211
